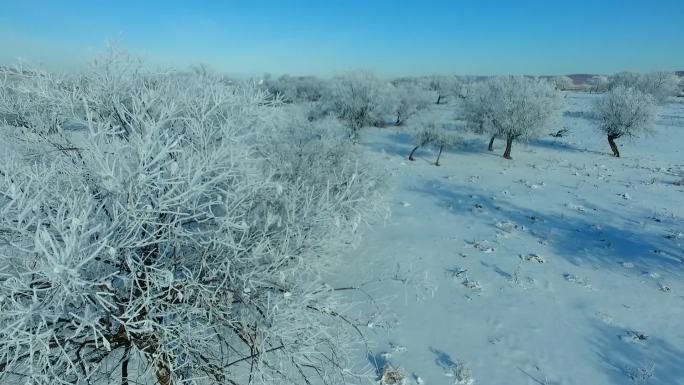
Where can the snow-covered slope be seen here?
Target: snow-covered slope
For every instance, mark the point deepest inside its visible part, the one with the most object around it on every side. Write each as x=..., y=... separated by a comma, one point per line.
x=562, y=266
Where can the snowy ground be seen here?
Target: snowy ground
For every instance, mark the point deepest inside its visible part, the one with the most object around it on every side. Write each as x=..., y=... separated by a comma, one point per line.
x=563, y=266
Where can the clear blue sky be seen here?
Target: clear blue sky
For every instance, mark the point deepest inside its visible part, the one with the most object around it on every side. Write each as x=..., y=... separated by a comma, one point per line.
x=328, y=36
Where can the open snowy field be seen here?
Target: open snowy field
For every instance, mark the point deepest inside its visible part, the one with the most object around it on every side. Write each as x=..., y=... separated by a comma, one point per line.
x=563, y=266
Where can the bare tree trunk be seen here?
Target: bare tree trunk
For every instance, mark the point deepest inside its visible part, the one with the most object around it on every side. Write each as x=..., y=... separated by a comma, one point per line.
x=509, y=144
x=491, y=143
x=613, y=146
x=412, y=152
x=163, y=374
x=439, y=155
x=398, y=122
x=124, y=369
x=439, y=98
x=354, y=135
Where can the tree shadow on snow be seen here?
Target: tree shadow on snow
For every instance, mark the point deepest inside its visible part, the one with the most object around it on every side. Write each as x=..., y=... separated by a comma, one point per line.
x=557, y=145
x=472, y=146
x=378, y=362
x=504, y=274
x=442, y=359
x=392, y=143
x=627, y=359
x=577, y=114
x=580, y=231
x=401, y=144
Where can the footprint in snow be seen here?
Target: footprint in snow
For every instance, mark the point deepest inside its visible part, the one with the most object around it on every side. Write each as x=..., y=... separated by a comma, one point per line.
x=633, y=336
x=664, y=288
x=397, y=348
x=575, y=207
x=578, y=280
x=531, y=257
x=482, y=246
x=471, y=284
x=625, y=196
x=509, y=226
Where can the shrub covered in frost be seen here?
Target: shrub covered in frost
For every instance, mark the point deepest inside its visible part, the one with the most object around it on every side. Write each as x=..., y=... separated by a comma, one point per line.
x=170, y=228
x=40, y=106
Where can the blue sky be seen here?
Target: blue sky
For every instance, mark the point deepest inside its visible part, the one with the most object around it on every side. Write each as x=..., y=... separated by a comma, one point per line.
x=329, y=36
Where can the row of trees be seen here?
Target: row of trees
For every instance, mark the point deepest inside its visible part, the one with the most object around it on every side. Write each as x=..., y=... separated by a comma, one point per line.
x=446, y=88
x=170, y=228
x=660, y=85
x=515, y=107
x=302, y=89
x=508, y=107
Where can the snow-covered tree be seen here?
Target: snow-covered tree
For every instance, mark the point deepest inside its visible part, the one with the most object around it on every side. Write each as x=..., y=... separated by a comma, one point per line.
x=625, y=79
x=512, y=107
x=360, y=99
x=562, y=83
x=428, y=132
x=444, y=86
x=410, y=100
x=598, y=83
x=624, y=112
x=475, y=110
x=660, y=85
x=296, y=89
x=171, y=228
x=445, y=139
